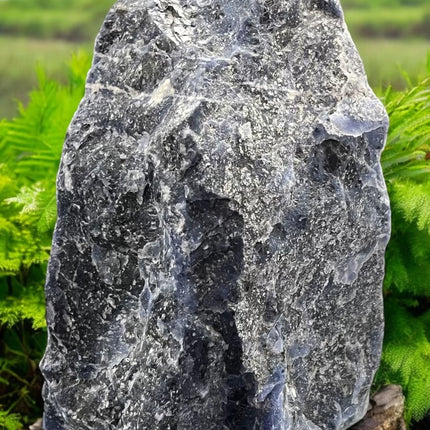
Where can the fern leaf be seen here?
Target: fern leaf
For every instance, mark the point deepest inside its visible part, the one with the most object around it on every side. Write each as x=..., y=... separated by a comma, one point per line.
x=413, y=201
x=406, y=358
x=10, y=421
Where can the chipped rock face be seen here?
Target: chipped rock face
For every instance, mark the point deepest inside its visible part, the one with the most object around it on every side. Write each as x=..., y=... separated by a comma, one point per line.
x=222, y=219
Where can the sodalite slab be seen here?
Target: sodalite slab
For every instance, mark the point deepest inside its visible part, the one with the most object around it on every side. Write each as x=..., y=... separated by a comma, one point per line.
x=222, y=219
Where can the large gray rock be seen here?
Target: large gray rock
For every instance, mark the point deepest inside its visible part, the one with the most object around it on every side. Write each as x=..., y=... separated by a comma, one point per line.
x=218, y=256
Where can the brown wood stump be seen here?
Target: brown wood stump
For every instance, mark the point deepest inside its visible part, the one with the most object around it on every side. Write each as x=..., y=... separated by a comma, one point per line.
x=385, y=411
x=38, y=425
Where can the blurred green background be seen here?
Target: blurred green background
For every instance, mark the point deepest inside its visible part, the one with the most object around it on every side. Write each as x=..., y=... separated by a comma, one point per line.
x=390, y=35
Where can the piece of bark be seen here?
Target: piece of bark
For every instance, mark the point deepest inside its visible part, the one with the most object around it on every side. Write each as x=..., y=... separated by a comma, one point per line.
x=38, y=425
x=385, y=411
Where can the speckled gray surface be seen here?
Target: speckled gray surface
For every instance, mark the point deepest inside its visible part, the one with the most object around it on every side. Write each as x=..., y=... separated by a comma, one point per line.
x=218, y=257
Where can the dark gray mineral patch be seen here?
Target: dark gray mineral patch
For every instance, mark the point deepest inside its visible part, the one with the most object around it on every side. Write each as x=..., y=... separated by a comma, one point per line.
x=222, y=219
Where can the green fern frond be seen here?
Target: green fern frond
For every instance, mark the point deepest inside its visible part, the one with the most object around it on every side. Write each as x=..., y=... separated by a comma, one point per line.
x=396, y=273
x=10, y=421
x=28, y=304
x=30, y=149
x=80, y=62
x=33, y=141
x=406, y=166
x=7, y=186
x=407, y=261
x=47, y=211
x=26, y=199
x=413, y=201
x=408, y=143
x=406, y=358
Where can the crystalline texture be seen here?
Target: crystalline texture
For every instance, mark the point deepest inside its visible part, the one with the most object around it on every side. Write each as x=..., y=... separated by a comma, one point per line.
x=222, y=219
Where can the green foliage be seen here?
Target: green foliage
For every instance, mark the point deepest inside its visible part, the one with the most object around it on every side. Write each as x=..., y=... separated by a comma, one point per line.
x=406, y=355
x=408, y=146
x=30, y=146
x=10, y=421
x=30, y=150
x=21, y=382
x=406, y=164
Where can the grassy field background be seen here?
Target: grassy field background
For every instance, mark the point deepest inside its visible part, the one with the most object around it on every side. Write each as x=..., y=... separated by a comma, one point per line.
x=391, y=35
x=386, y=59
x=44, y=32
x=19, y=59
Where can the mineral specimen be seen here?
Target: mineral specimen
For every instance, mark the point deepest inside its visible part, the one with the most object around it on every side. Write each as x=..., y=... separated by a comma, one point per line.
x=222, y=219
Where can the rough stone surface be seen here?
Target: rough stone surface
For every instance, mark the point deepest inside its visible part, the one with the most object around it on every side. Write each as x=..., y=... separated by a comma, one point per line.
x=385, y=411
x=218, y=256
